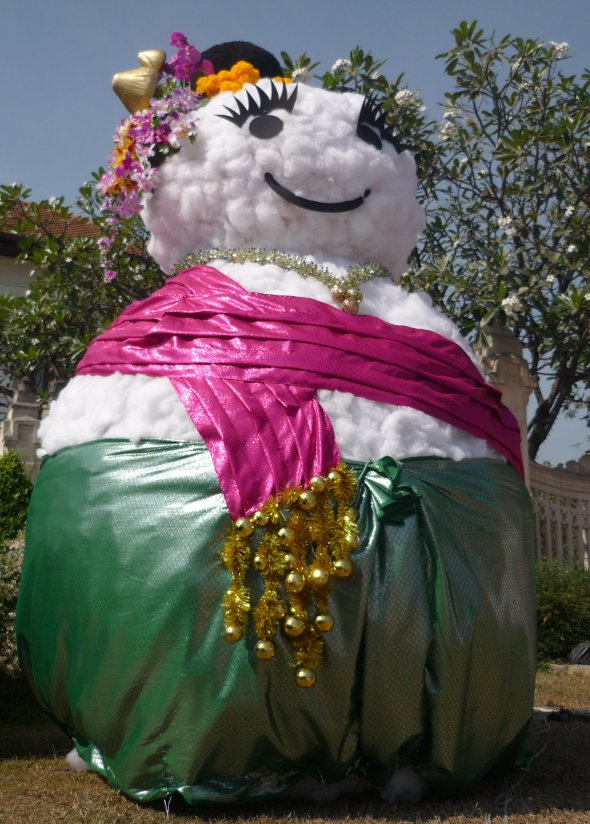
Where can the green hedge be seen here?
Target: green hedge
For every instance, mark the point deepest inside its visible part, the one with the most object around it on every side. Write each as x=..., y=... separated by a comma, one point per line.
x=563, y=610
x=11, y=558
x=15, y=492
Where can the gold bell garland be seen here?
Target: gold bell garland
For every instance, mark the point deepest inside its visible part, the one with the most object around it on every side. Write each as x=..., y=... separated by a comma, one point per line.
x=344, y=291
x=297, y=541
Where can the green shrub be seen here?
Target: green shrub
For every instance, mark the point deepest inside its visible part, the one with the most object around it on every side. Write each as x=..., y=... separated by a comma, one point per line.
x=563, y=610
x=11, y=558
x=15, y=491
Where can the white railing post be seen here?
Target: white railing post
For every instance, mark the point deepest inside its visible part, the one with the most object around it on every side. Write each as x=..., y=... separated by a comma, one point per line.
x=561, y=506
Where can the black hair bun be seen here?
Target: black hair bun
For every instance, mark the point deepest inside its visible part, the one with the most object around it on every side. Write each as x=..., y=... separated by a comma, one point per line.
x=224, y=55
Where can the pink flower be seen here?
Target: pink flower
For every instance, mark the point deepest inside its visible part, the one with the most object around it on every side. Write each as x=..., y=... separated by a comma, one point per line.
x=169, y=122
x=105, y=243
x=189, y=56
x=177, y=39
x=186, y=63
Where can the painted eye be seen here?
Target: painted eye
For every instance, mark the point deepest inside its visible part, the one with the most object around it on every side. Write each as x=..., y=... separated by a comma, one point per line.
x=371, y=137
x=266, y=126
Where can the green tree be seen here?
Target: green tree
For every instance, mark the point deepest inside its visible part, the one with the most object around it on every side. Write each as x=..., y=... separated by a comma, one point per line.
x=504, y=179
x=505, y=182
x=44, y=334
x=512, y=198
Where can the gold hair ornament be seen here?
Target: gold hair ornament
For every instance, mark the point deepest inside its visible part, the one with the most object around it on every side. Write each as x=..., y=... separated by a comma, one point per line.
x=136, y=87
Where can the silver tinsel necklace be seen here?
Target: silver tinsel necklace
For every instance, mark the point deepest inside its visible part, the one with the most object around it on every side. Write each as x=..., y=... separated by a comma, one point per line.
x=344, y=291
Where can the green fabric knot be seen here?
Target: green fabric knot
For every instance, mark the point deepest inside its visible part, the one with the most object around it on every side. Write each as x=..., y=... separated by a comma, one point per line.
x=394, y=501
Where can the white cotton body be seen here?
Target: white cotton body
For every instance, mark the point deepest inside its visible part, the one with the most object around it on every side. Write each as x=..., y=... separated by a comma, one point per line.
x=213, y=194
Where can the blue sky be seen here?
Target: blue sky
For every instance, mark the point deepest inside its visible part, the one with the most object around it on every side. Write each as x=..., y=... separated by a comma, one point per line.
x=57, y=60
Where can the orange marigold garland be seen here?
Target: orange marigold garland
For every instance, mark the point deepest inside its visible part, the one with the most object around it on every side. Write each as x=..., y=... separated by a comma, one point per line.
x=297, y=542
x=231, y=80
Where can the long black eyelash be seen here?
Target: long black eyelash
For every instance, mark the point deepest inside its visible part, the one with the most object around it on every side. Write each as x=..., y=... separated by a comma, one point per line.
x=266, y=103
x=371, y=114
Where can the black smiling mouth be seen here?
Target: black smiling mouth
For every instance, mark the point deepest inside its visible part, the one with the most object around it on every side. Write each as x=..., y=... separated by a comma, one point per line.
x=314, y=205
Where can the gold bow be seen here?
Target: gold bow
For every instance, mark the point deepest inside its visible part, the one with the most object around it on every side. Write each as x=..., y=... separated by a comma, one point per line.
x=136, y=87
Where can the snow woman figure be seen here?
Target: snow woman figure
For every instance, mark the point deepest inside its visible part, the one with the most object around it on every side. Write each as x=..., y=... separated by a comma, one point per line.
x=280, y=537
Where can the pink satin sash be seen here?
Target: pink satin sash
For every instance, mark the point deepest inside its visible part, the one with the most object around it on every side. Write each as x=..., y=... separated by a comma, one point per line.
x=246, y=366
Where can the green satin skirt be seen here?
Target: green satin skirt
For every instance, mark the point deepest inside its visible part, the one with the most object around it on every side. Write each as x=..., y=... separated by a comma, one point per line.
x=431, y=662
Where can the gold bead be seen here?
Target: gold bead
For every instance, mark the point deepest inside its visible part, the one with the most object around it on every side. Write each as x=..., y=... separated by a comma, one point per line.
x=265, y=650
x=307, y=500
x=352, y=540
x=233, y=633
x=354, y=293
x=260, y=518
x=293, y=626
x=286, y=536
x=317, y=483
x=258, y=562
x=350, y=306
x=324, y=623
x=338, y=292
x=334, y=477
x=244, y=527
x=342, y=568
x=305, y=677
x=290, y=559
x=294, y=582
x=351, y=515
x=320, y=576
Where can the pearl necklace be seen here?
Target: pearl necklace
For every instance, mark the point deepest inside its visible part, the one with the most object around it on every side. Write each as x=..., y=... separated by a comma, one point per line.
x=344, y=291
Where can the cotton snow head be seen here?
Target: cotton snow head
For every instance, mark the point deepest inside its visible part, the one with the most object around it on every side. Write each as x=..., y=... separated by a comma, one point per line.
x=289, y=166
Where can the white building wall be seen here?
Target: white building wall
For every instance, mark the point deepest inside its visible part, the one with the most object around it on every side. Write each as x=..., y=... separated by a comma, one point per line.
x=18, y=423
x=14, y=277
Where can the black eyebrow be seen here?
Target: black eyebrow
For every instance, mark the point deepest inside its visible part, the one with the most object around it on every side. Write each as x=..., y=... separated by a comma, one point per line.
x=371, y=114
x=266, y=103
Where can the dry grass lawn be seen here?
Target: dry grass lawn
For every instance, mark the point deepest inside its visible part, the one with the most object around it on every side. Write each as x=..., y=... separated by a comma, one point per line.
x=36, y=786
x=563, y=688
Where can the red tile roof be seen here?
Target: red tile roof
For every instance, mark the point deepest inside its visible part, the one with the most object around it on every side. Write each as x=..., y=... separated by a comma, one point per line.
x=73, y=226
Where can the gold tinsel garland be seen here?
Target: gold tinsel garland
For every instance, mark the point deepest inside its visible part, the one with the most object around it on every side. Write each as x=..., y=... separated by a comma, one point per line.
x=297, y=542
x=345, y=291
